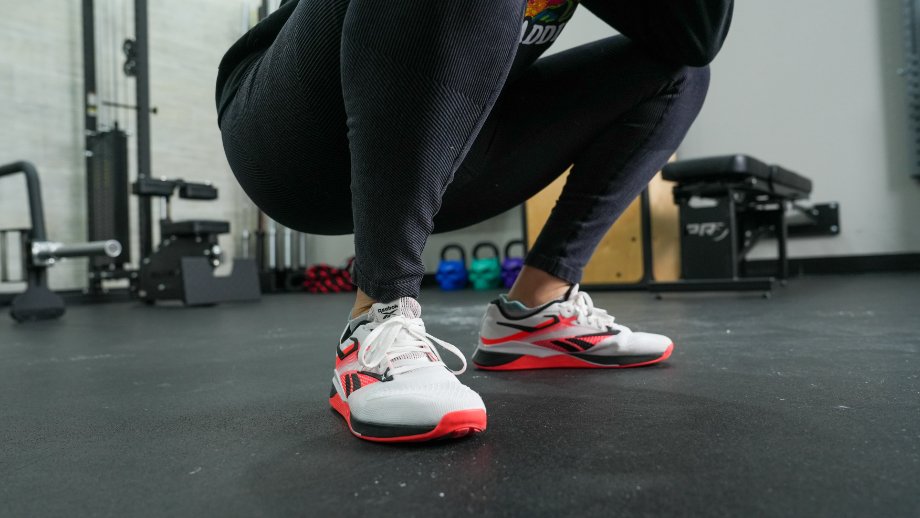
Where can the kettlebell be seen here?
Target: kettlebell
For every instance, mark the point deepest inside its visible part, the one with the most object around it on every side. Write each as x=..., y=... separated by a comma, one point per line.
x=452, y=275
x=511, y=266
x=485, y=272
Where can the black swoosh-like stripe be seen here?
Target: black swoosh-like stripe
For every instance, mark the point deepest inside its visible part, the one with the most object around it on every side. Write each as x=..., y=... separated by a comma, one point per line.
x=584, y=344
x=355, y=382
x=529, y=328
x=566, y=346
x=342, y=354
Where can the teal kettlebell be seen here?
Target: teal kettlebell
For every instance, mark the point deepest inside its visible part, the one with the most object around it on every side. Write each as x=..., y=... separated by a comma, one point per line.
x=486, y=272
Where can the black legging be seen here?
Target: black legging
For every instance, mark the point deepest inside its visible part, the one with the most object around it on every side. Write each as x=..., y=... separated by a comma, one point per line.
x=367, y=120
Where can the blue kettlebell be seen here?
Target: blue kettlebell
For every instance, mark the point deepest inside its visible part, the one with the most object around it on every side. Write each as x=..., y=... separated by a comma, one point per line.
x=452, y=274
x=485, y=272
x=511, y=266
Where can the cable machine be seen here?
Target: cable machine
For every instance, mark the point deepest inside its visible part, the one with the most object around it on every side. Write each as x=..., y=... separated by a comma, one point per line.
x=181, y=266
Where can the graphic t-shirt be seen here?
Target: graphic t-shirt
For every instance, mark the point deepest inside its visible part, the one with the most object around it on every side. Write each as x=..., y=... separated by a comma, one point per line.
x=543, y=22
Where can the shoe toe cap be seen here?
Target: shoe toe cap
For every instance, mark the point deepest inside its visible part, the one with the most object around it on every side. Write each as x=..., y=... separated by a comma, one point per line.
x=648, y=343
x=411, y=404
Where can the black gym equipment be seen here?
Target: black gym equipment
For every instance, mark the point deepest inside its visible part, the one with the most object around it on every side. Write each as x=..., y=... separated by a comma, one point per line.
x=182, y=267
x=107, y=149
x=727, y=204
x=107, y=205
x=37, y=254
x=280, y=254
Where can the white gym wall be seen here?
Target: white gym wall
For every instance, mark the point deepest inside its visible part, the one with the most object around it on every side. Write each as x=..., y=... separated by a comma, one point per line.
x=814, y=86
x=40, y=61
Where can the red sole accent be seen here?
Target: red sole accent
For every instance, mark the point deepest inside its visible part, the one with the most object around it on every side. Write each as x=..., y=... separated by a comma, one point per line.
x=564, y=361
x=453, y=425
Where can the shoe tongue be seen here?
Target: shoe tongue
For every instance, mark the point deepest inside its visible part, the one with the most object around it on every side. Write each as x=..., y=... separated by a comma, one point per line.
x=404, y=307
x=409, y=308
x=411, y=358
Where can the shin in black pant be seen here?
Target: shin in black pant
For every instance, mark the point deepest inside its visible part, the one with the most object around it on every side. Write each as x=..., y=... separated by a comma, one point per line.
x=347, y=123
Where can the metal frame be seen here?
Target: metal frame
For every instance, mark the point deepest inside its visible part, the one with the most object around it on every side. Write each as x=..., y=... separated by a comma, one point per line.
x=37, y=301
x=90, y=106
x=106, y=169
x=744, y=232
x=90, y=119
x=34, y=194
x=142, y=84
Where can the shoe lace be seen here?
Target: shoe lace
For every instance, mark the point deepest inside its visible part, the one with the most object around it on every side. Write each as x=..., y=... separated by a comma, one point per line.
x=583, y=306
x=400, y=336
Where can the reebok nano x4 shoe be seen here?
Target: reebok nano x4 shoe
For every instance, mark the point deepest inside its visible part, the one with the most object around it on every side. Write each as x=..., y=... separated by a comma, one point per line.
x=569, y=332
x=391, y=385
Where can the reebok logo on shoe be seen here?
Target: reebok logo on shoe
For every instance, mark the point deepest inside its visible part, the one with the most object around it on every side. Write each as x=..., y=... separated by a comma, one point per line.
x=389, y=311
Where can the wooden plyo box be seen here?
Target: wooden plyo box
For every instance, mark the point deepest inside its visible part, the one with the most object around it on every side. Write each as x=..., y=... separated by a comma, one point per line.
x=618, y=257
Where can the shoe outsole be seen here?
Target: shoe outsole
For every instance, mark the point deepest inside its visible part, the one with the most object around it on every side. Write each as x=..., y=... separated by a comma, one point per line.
x=563, y=361
x=453, y=425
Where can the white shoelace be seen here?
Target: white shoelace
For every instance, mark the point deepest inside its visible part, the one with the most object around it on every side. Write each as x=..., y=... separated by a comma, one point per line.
x=397, y=336
x=583, y=306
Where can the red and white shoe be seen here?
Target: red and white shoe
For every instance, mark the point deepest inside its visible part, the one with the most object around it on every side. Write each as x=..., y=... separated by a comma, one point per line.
x=391, y=385
x=569, y=332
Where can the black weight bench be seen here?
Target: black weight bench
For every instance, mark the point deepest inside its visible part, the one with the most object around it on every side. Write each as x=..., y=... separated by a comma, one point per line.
x=741, y=172
x=194, y=227
x=728, y=203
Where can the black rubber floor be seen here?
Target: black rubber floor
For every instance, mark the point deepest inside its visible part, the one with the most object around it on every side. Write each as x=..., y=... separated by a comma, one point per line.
x=807, y=404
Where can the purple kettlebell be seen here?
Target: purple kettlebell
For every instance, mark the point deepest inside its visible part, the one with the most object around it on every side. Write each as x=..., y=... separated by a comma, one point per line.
x=511, y=266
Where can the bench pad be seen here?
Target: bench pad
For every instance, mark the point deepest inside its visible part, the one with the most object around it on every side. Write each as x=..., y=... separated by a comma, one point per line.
x=732, y=169
x=194, y=227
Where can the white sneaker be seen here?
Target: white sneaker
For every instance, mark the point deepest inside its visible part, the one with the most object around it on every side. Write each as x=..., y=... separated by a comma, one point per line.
x=569, y=332
x=391, y=385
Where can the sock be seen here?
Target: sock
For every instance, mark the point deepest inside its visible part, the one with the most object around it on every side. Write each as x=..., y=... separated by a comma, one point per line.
x=516, y=307
x=512, y=308
x=511, y=304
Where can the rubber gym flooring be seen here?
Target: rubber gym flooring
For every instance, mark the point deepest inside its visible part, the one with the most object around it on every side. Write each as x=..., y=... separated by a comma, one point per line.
x=806, y=404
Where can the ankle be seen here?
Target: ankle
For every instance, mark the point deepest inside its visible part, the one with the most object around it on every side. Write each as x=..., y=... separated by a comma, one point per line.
x=535, y=287
x=533, y=300
x=360, y=310
x=363, y=303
